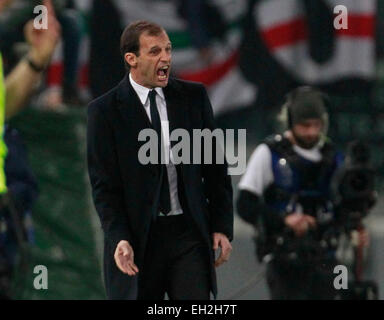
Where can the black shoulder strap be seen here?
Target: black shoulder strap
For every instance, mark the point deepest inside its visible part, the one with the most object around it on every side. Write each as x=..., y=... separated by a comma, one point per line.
x=281, y=145
x=328, y=152
x=284, y=147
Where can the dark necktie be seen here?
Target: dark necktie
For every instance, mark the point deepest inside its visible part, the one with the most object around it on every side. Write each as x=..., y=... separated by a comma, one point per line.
x=164, y=201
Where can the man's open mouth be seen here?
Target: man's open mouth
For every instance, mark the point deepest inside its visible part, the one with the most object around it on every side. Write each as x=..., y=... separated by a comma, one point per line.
x=163, y=72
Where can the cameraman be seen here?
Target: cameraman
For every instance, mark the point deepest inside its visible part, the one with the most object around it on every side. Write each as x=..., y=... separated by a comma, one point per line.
x=285, y=194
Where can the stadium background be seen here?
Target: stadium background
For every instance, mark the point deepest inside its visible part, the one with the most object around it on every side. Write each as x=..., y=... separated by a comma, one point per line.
x=261, y=50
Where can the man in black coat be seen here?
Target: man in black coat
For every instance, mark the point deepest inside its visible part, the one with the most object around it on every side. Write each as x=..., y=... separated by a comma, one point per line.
x=161, y=221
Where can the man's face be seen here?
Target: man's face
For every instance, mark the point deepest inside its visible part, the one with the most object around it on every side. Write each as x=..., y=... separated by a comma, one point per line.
x=152, y=67
x=307, y=133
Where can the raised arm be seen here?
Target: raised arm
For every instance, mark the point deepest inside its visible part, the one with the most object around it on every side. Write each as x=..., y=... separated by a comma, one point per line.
x=22, y=80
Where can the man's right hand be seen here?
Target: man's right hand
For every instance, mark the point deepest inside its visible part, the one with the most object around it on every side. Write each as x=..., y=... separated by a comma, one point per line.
x=300, y=223
x=124, y=258
x=43, y=41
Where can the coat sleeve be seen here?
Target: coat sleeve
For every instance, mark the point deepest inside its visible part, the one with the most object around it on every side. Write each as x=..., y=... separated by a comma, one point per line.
x=217, y=182
x=105, y=178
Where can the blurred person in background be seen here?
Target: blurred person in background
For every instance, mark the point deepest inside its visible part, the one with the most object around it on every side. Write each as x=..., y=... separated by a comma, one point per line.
x=16, y=228
x=104, y=39
x=12, y=23
x=285, y=194
x=17, y=185
x=204, y=24
x=70, y=22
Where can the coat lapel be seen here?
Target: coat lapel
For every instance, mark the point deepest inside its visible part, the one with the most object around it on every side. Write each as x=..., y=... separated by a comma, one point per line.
x=130, y=106
x=177, y=109
x=133, y=114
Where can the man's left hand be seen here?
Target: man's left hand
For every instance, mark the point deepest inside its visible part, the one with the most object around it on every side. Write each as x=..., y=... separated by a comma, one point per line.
x=221, y=240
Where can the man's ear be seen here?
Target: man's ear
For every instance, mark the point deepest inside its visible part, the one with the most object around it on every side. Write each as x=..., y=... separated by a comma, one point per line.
x=131, y=59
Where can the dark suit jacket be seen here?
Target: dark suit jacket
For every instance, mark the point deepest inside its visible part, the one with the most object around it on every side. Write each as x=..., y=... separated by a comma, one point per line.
x=124, y=191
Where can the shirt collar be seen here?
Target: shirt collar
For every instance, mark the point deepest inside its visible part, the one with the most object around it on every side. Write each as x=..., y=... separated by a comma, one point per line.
x=143, y=92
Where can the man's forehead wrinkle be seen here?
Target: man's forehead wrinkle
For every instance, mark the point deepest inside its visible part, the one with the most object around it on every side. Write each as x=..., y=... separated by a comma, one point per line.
x=150, y=42
x=158, y=47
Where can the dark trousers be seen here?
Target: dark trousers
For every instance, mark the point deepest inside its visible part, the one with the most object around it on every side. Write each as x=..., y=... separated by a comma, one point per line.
x=288, y=281
x=176, y=262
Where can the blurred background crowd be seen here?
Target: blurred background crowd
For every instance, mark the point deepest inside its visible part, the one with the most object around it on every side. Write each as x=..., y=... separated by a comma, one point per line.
x=248, y=53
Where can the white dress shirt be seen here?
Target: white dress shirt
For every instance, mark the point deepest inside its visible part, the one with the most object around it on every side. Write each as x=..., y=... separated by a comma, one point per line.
x=143, y=93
